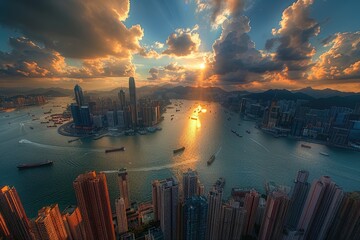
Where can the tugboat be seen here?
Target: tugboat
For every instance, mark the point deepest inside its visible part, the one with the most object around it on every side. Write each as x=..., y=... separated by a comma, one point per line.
x=34, y=165
x=179, y=150
x=115, y=150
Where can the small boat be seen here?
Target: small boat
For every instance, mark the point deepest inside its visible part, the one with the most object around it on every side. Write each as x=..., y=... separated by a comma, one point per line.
x=305, y=146
x=247, y=131
x=115, y=150
x=172, y=119
x=194, y=118
x=324, y=154
x=211, y=159
x=179, y=150
x=34, y=165
x=31, y=128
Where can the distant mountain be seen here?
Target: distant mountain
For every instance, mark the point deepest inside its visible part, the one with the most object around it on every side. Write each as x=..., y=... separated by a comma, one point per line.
x=324, y=103
x=277, y=94
x=49, y=92
x=325, y=93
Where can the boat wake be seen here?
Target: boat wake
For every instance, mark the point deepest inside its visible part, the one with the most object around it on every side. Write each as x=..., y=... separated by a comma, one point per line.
x=25, y=141
x=265, y=148
x=156, y=168
x=218, y=151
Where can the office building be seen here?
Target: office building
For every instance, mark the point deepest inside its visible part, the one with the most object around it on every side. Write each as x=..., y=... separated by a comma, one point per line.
x=165, y=201
x=75, y=113
x=133, y=107
x=74, y=224
x=194, y=218
x=320, y=208
x=297, y=200
x=122, y=225
x=274, y=218
x=190, y=184
x=93, y=200
x=14, y=215
x=214, y=211
x=122, y=101
x=347, y=224
x=49, y=224
x=79, y=95
x=86, y=120
x=124, y=186
x=120, y=119
x=111, y=119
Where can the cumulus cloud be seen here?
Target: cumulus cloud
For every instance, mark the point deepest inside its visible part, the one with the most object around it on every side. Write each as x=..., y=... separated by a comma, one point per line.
x=154, y=74
x=183, y=42
x=341, y=61
x=292, y=40
x=75, y=28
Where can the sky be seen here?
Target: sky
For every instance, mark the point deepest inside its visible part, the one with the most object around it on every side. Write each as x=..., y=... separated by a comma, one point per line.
x=249, y=45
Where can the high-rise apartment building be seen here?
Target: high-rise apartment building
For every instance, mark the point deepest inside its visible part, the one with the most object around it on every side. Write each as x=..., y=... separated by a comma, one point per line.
x=14, y=215
x=165, y=201
x=49, y=224
x=4, y=231
x=298, y=198
x=274, y=218
x=93, y=200
x=251, y=203
x=79, y=96
x=231, y=222
x=133, y=107
x=320, y=208
x=190, y=184
x=124, y=186
x=194, y=218
x=122, y=225
x=214, y=212
x=73, y=223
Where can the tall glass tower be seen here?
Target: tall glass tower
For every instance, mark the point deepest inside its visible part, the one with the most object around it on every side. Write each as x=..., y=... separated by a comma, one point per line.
x=79, y=95
x=132, y=91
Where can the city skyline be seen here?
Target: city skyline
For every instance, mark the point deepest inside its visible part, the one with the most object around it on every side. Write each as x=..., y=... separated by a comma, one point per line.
x=234, y=44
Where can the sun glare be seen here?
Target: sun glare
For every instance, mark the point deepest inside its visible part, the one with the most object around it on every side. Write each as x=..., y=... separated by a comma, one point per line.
x=202, y=66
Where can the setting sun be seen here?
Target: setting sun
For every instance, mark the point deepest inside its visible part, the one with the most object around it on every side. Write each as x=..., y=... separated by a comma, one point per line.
x=202, y=66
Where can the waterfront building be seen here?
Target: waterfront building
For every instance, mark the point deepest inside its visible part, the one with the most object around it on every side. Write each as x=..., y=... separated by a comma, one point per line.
x=194, y=218
x=98, y=121
x=122, y=101
x=298, y=198
x=74, y=223
x=49, y=224
x=274, y=218
x=347, y=224
x=190, y=184
x=165, y=201
x=124, y=186
x=75, y=113
x=122, y=225
x=79, y=96
x=320, y=208
x=133, y=103
x=111, y=119
x=120, y=118
x=86, y=120
x=93, y=200
x=14, y=215
x=214, y=211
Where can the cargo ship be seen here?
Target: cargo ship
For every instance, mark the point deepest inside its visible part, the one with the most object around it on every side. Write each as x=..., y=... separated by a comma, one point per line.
x=211, y=159
x=34, y=165
x=178, y=150
x=115, y=150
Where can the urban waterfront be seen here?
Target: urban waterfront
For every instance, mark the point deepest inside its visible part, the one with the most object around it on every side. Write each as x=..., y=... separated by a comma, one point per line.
x=246, y=161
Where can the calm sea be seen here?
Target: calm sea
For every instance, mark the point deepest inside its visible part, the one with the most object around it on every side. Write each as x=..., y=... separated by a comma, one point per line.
x=247, y=161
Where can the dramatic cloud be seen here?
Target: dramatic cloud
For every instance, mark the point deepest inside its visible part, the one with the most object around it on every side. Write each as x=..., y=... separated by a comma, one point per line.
x=75, y=28
x=154, y=74
x=292, y=39
x=183, y=42
x=341, y=61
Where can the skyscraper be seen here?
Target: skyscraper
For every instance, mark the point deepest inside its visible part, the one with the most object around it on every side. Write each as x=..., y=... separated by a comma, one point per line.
x=251, y=203
x=298, y=198
x=4, y=231
x=122, y=225
x=231, y=222
x=214, y=211
x=190, y=184
x=122, y=101
x=49, y=224
x=74, y=223
x=14, y=214
x=165, y=201
x=124, y=186
x=132, y=91
x=194, y=220
x=79, y=95
x=276, y=208
x=323, y=200
x=93, y=199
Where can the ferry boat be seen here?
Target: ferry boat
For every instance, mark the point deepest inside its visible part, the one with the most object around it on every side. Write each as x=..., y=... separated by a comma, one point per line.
x=179, y=150
x=115, y=150
x=305, y=146
x=211, y=159
x=34, y=165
